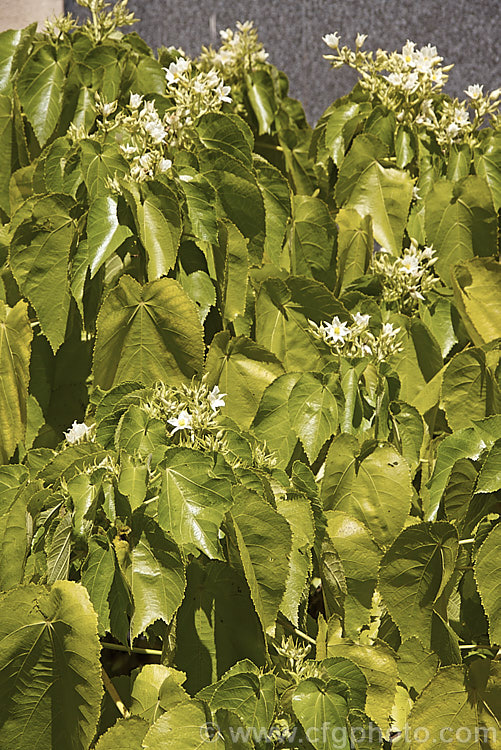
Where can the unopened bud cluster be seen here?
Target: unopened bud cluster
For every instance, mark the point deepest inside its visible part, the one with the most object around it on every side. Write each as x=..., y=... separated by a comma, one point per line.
x=408, y=82
x=356, y=340
x=240, y=52
x=101, y=24
x=406, y=280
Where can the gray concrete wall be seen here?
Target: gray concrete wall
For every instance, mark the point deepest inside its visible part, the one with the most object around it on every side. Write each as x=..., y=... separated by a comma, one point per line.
x=466, y=32
x=15, y=14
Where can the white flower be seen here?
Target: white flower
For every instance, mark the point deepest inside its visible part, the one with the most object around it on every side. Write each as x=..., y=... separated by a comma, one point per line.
x=396, y=79
x=331, y=40
x=361, y=320
x=176, y=69
x=408, y=54
x=336, y=331
x=77, y=432
x=461, y=116
x=475, y=92
x=223, y=91
x=164, y=165
x=411, y=82
x=135, y=101
x=387, y=331
x=415, y=193
x=216, y=399
x=410, y=264
x=427, y=253
x=452, y=130
x=156, y=130
x=108, y=108
x=182, y=422
x=128, y=150
x=360, y=40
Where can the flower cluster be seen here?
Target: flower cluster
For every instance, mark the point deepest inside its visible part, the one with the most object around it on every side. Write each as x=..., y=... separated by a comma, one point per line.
x=101, y=24
x=357, y=340
x=240, y=52
x=407, y=279
x=407, y=83
x=194, y=93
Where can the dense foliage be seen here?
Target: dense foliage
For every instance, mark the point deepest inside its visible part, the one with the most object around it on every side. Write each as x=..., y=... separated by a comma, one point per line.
x=250, y=403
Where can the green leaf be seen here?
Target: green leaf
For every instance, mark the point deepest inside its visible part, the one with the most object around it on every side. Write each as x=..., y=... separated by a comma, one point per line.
x=192, y=502
x=272, y=424
x=138, y=433
x=459, y=706
x=277, y=206
x=355, y=246
x=132, y=480
x=39, y=256
x=181, y=728
x=6, y=140
x=15, y=349
x=234, y=260
x=360, y=558
x=160, y=227
x=297, y=512
x=488, y=577
x=200, y=199
x=51, y=699
x=59, y=550
x=14, y=46
x=319, y=708
x=413, y=575
x=489, y=478
x=261, y=93
x=13, y=526
x=104, y=233
x=468, y=390
x=371, y=189
x=97, y=576
x=148, y=696
x=147, y=333
x=378, y=663
x=466, y=443
x=207, y=641
x=226, y=133
x=40, y=87
x=242, y=370
x=416, y=665
x=263, y=538
x=488, y=165
x=477, y=288
x=420, y=357
x=313, y=413
x=99, y=165
x=157, y=576
x=247, y=694
x=376, y=490
x=339, y=129
x=460, y=222
x=125, y=734
x=312, y=238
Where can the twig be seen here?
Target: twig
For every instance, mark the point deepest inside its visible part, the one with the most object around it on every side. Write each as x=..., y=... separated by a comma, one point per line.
x=112, y=692
x=466, y=541
x=297, y=632
x=131, y=649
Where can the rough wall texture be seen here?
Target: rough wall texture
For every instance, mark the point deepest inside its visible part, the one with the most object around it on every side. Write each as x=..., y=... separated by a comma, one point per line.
x=466, y=32
x=15, y=14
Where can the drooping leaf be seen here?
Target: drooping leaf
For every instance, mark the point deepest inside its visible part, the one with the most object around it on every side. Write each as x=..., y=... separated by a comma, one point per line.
x=59, y=550
x=297, y=512
x=360, y=558
x=15, y=348
x=125, y=734
x=13, y=525
x=227, y=133
x=97, y=576
x=376, y=490
x=416, y=665
x=263, y=539
x=272, y=423
x=488, y=165
x=160, y=228
x=413, y=574
x=319, y=708
x=41, y=88
x=242, y=370
x=459, y=706
x=104, y=233
x=312, y=238
x=355, y=246
x=488, y=577
x=39, y=255
x=192, y=502
x=149, y=696
x=261, y=93
x=277, y=206
x=468, y=390
x=460, y=222
x=313, y=413
x=53, y=698
x=157, y=575
x=147, y=333
x=181, y=728
x=477, y=287
x=6, y=139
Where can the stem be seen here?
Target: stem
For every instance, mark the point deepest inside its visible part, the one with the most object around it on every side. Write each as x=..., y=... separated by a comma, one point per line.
x=112, y=692
x=297, y=632
x=131, y=649
x=466, y=541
